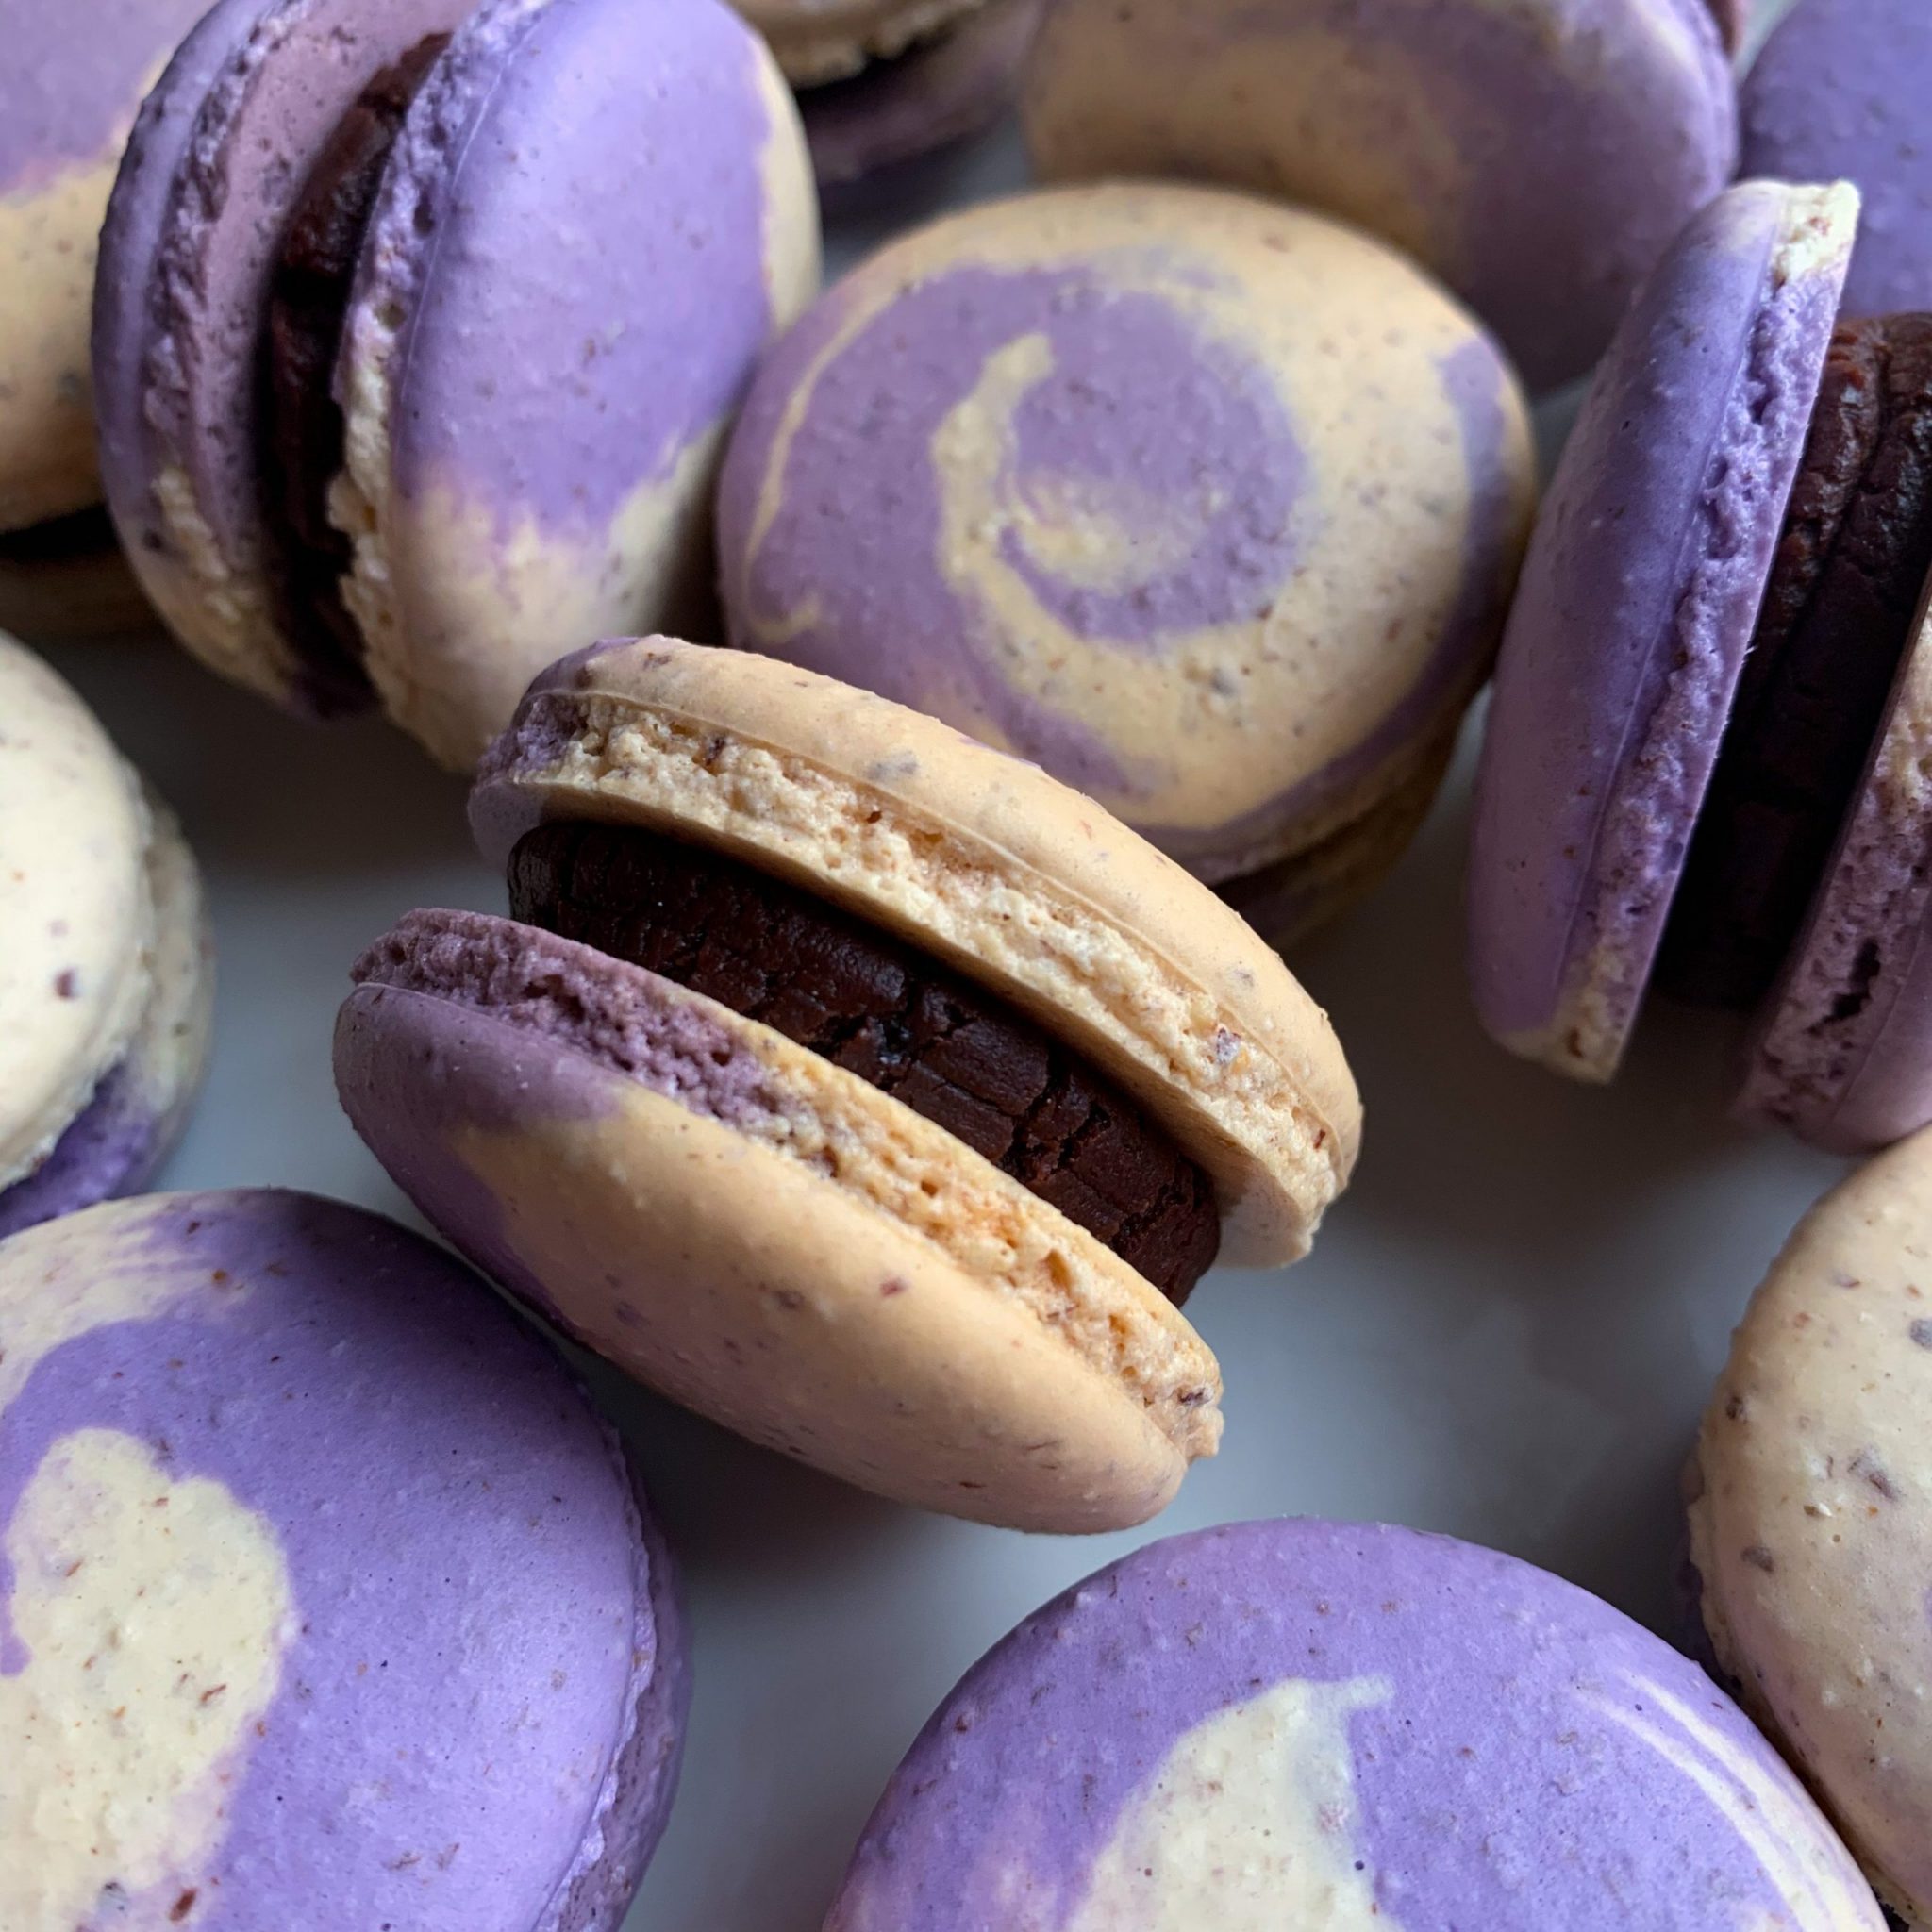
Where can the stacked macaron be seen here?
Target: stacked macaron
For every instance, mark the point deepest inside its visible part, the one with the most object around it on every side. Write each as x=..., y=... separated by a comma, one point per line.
x=326, y=1594
x=852, y=1083
x=1207, y=505
x=419, y=324
x=106, y=968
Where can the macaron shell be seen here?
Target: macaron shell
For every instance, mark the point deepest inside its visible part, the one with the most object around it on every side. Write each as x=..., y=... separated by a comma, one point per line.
x=1811, y=1537
x=1411, y=119
x=774, y=1243
x=986, y=863
x=817, y=40
x=1637, y=601
x=1302, y=1724
x=1120, y=479
x=73, y=87
x=303, y=1529
x=70, y=596
x=216, y=165
x=560, y=308
x=76, y=918
x=1839, y=92
x=1842, y=1052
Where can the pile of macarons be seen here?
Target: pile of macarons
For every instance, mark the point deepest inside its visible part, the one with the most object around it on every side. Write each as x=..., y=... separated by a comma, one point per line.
x=911, y=721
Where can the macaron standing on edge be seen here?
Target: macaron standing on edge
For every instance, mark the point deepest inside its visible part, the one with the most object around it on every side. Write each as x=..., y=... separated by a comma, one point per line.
x=107, y=968
x=327, y=1589
x=467, y=274
x=1210, y=506
x=1412, y=119
x=1810, y=1539
x=850, y=1082
x=1297, y=1724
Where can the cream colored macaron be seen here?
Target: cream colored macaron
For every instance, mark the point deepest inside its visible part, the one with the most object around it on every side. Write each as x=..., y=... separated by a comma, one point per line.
x=853, y=1083
x=1811, y=1527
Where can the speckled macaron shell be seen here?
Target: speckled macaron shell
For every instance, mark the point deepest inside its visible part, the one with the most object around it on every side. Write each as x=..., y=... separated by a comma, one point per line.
x=765, y=1237
x=815, y=41
x=72, y=85
x=1811, y=1537
x=1638, y=599
x=303, y=1531
x=1839, y=91
x=500, y=511
x=1411, y=119
x=983, y=861
x=1210, y=506
x=1296, y=1723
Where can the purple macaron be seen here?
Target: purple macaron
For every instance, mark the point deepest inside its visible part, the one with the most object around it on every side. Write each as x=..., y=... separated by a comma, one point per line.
x=1301, y=1723
x=419, y=325
x=1702, y=761
x=323, y=1586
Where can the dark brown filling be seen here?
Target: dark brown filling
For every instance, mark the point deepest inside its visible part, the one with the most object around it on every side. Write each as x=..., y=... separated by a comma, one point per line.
x=302, y=427
x=61, y=539
x=1850, y=570
x=868, y=1004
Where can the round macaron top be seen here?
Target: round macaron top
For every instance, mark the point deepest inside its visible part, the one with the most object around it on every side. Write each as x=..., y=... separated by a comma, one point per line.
x=76, y=915
x=1209, y=505
x=1411, y=119
x=1639, y=598
x=1838, y=91
x=322, y=1580
x=826, y=39
x=1302, y=1723
x=1812, y=1534
x=979, y=858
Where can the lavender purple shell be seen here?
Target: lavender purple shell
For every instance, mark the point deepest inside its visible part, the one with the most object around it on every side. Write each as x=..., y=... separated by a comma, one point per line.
x=109, y=1148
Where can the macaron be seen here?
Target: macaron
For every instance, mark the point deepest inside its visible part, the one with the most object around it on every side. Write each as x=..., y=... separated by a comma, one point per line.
x=851, y=1083
x=1538, y=157
x=1837, y=93
x=1210, y=506
x=1303, y=1724
x=1814, y=1561
x=106, y=969
x=326, y=1591
x=66, y=580
x=68, y=96
x=419, y=325
x=1701, y=757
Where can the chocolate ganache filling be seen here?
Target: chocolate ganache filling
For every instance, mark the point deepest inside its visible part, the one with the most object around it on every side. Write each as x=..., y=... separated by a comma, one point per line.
x=302, y=429
x=878, y=1008
x=1850, y=571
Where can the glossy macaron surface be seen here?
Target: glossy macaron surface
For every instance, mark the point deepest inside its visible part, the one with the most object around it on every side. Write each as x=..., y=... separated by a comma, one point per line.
x=1303, y=1722
x=1412, y=119
x=302, y=1533
x=1210, y=508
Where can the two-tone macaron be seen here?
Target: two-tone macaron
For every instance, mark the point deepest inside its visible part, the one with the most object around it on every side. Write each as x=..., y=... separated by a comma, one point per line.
x=420, y=324
x=1811, y=1515
x=1706, y=757
x=1538, y=157
x=851, y=1083
x=327, y=1593
x=1211, y=507
x=1304, y=1724
x=106, y=963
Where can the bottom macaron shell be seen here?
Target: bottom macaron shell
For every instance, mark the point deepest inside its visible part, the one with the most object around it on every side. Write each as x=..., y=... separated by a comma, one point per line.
x=1300, y=1724
x=766, y=1239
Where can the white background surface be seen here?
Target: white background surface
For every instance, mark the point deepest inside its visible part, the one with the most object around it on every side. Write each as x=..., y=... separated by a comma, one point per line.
x=1507, y=1331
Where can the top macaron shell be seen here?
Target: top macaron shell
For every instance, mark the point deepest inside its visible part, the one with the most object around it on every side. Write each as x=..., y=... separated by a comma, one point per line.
x=324, y=1588
x=71, y=90
x=1839, y=92
x=1301, y=1723
x=1121, y=479
x=1412, y=119
x=1639, y=598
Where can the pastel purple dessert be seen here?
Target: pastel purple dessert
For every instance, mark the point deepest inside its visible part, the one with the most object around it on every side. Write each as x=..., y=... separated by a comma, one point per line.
x=1839, y=93
x=1538, y=157
x=321, y=1583
x=443, y=378
x=1302, y=1724
x=1211, y=507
